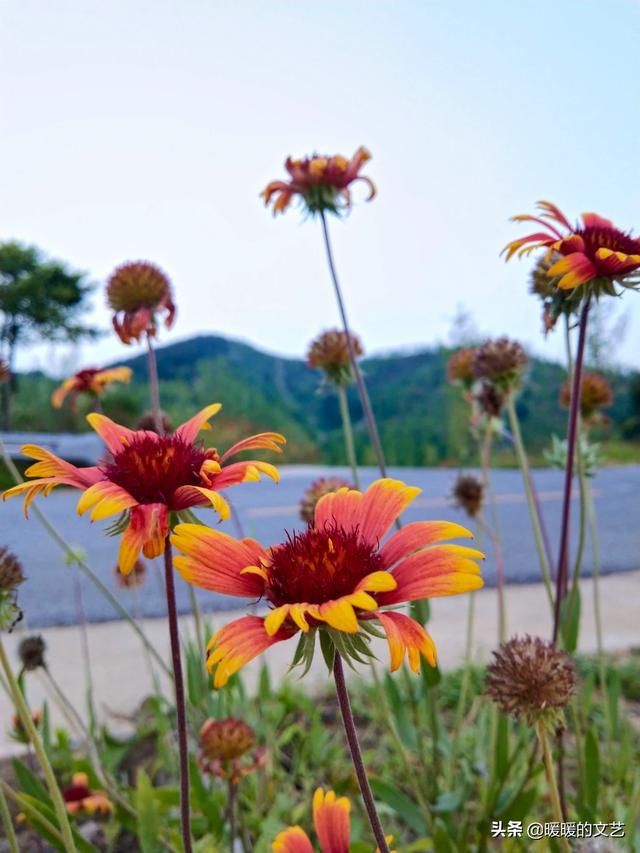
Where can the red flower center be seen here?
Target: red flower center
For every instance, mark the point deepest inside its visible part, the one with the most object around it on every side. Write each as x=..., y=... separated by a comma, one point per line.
x=319, y=565
x=76, y=793
x=84, y=378
x=607, y=238
x=152, y=467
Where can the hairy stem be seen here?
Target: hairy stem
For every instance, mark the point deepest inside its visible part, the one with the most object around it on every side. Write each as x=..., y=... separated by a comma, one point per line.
x=347, y=432
x=362, y=388
x=178, y=679
x=356, y=754
x=154, y=386
x=551, y=781
x=5, y=814
x=563, y=555
x=24, y=714
x=532, y=504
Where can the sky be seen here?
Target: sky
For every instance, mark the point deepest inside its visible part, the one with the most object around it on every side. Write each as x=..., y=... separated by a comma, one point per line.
x=146, y=130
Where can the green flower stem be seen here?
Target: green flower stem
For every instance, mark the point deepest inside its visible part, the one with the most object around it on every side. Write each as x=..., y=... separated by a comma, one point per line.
x=531, y=503
x=34, y=815
x=154, y=385
x=347, y=432
x=464, y=686
x=231, y=810
x=28, y=725
x=8, y=824
x=551, y=781
x=492, y=531
x=82, y=565
x=356, y=754
x=357, y=372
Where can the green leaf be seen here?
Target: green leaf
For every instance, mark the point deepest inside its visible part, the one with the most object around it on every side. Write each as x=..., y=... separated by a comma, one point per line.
x=327, y=648
x=613, y=698
x=519, y=807
x=449, y=801
x=431, y=675
x=29, y=782
x=82, y=845
x=592, y=771
x=146, y=805
x=404, y=726
x=204, y=801
x=501, y=753
x=400, y=803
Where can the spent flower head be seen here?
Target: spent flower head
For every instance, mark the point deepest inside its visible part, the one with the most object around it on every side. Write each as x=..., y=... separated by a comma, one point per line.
x=31, y=652
x=329, y=352
x=460, y=367
x=137, y=292
x=531, y=678
x=147, y=421
x=18, y=731
x=500, y=362
x=11, y=576
x=321, y=182
x=318, y=489
x=555, y=302
x=468, y=494
x=223, y=743
x=489, y=399
x=595, y=394
x=135, y=579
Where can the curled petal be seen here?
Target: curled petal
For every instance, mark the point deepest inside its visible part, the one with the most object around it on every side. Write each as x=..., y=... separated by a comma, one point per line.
x=186, y=496
x=554, y=212
x=106, y=498
x=575, y=269
x=238, y=643
x=189, y=430
x=261, y=441
x=147, y=531
x=405, y=635
x=616, y=263
x=214, y=560
x=331, y=821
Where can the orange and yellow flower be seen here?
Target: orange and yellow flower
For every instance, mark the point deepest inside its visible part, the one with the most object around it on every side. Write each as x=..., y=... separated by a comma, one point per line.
x=78, y=797
x=331, y=821
x=335, y=576
x=322, y=182
x=91, y=380
x=148, y=477
x=593, y=249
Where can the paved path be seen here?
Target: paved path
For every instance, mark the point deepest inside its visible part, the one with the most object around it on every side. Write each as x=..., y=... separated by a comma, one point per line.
x=122, y=678
x=49, y=597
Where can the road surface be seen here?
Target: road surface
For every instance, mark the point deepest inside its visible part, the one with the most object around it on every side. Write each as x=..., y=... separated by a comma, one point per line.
x=50, y=594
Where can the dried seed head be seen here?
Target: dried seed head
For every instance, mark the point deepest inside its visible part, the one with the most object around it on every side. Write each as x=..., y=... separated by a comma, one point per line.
x=137, y=284
x=555, y=301
x=540, y=283
x=490, y=400
x=11, y=574
x=531, y=678
x=595, y=394
x=225, y=740
x=468, y=493
x=501, y=362
x=460, y=367
x=31, y=652
x=147, y=422
x=330, y=352
x=320, y=487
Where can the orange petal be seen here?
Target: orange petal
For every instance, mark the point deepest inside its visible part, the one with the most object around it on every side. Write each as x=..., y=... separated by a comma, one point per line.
x=435, y=571
x=214, y=560
x=238, y=643
x=341, y=507
x=261, y=441
x=381, y=505
x=418, y=535
x=292, y=840
x=575, y=270
x=189, y=430
x=405, y=635
x=106, y=498
x=331, y=821
x=113, y=435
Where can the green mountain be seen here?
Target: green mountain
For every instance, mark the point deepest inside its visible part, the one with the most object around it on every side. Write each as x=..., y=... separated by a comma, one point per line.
x=422, y=420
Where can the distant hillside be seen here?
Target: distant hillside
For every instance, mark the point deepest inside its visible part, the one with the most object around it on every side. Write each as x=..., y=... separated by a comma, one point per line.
x=422, y=420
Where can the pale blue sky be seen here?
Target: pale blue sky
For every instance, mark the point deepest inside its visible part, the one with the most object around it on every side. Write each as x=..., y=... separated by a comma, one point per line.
x=147, y=129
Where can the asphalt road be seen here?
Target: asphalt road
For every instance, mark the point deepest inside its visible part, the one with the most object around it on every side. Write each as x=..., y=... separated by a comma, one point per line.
x=50, y=596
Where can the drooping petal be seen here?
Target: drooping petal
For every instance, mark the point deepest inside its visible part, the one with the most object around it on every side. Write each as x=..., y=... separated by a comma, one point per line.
x=435, y=571
x=243, y=472
x=381, y=505
x=594, y=220
x=554, y=212
x=186, y=496
x=106, y=498
x=114, y=435
x=540, y=238
x=58, y=396
x=261, y=441
x=147, y=531
x=238, y=643
x=189, y=430
x=575, y=269
x=214, y=560
x=406, y=635
x=418, y=535
x=331, y=821
x=50, y=465
x=292, y=840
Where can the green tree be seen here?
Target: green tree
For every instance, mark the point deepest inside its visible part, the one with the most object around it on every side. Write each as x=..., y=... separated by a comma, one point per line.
x=40, y=298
